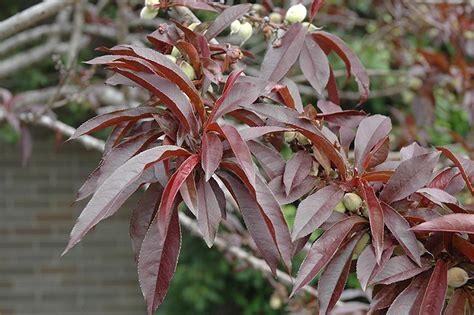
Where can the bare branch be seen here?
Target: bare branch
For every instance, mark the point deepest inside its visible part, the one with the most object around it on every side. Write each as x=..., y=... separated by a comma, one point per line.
x=31, y=16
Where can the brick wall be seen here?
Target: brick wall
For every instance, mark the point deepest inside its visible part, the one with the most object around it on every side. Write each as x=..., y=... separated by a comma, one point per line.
x=97, y=277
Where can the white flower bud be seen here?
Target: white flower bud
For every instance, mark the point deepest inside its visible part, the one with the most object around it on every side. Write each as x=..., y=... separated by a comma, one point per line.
x=188, y=70
x=275, y=17
x=151, y=3
x=235, y=27
x=245, y=32
x=148, y=14
x=289, y=136
x=340, y=207
x=171, y=57
x=175, y=52
x=457, y=277
x=192, y=26
x=352, y=202
x=295, y=14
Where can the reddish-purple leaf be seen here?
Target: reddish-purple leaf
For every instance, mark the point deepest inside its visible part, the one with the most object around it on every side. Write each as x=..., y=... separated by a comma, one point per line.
x=105, y=201
x=208, y=214
x=379, y=154
x=399, y=268
x=294, y=93
x=271, y=208
x=158, y=258
x=367, y=267
x=334, y=277
x=353, y=63
x=317, y=4
x=387, y=294
x=278, y=188
x=372, y=130
x=279, y=59
x=459, y=164
x=251, y=133
x=143, y=215
x=188, y=192
x=194, y=4
x=437, y=196
x=411, y=151
x=255, y=220
x=405, y=302
x=409, y=176
x=315, y=210
x=465, y=247
x=449, y=180
x=116, y=135
x=458, y=222
x=400, y=229
x=296, y=170
x=114, y=118
x=457, y=303
x=433, y=299
x=314, y=64
x=224, y=19
x=212, y=151
x=220, y=196
x=323, y=250
x=270, y=160
x=375, y=218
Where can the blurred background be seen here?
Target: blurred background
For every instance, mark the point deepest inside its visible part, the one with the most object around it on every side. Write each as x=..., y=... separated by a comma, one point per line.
x=419, y=56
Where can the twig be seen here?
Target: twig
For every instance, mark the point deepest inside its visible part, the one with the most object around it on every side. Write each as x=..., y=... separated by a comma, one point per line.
x=31, y=16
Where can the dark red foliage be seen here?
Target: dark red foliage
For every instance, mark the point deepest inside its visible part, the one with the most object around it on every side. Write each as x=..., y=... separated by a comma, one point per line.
x=183, y=143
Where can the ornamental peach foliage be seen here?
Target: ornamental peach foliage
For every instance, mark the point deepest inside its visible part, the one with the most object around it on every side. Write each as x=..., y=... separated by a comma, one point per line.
x=209, y=131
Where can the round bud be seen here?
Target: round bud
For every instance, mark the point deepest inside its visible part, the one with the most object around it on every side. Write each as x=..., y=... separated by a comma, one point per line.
x=275, y=301
x=171, y=57
x=151, y=3
x=457, y=277
x=235, y=27
x=289, y=136
x=340, y=207
x=296, y=14
x=365, y=210
x=258, y=9
x=361, y=245
x=148, y=14
x=245, y=32
x=276, y=17
x=302, y=139
x=352, y=202
x=175, y=52
x=188, y=70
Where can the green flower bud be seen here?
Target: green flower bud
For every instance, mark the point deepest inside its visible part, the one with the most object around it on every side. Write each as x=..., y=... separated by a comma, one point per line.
x=311, y=27
x=275, y=17
x=235, y=27
x=188, y=70
x=314, y=169
x=175, y=52
x=192, y=26
x=457, y=277
x=245, y=32
x=302, y=139
x=340, y=207
x=171, y=57
x=361, y=245
x=258, y=9
x=148, y=14
x=352, y=202
x=289, y=136
x=295, y=14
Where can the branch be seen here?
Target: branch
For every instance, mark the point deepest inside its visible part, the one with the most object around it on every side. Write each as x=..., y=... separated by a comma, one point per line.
x=31, y=16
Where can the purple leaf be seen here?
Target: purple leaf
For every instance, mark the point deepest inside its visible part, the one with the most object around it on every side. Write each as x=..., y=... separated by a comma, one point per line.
x=409, y=176
x=387, y=294
x=334, y=277
x=372, y=130
x=457, y=303
x=296, y=170
x=317, y=4
x=467, y=175
x=375, y=218
x=367, y=267
x=458, y=222
x=158, y=258
x=224, y=19
x=437, y=196
x=278, y=189
x=143, y=215
x=433, y=299
x=212, y=151
x=399, y=268
x=411, y=151
x=404, y=302
x=220, y=196
x=278, y=60
x=400, y=229
x=208, y=214
x=315, y=210
x=270, y=160
x=314, y=64
x=188, y=192
x=109, y=196
x=323, y=250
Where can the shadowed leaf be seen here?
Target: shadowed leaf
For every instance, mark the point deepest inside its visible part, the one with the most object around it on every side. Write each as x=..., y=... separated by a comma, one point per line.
x=458, y=222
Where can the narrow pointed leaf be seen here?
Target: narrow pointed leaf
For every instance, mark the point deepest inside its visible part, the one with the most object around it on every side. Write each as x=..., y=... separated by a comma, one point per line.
x=212, y=151
x=405, y=302
x=278, y=60
x=409, y=176
x=209, y=214
x=104, y=202
x=315, y=210
x=376, y=219
x=270, y=160
x=399, y=268
x=296, y=170
x=224, y=19
x=459, y=164
x=317, y=4
x=400, y=229
x=188, y=192
x=323, y=250
x=314, y=64
x=457, y=303
x=433, y=299
x=385, y=297
x=458, y=222
x=367, y=267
